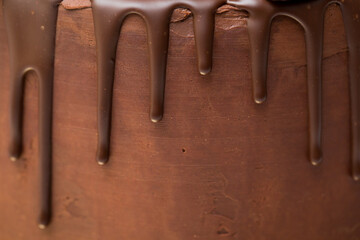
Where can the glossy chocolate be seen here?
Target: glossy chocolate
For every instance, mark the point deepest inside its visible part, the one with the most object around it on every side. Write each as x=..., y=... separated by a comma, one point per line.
x=310, y=14
x=31, y=27
x=109, y=14
x=108, y=18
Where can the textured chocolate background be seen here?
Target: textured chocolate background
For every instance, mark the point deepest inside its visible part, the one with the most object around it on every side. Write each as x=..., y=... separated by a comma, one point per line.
x=217, y=167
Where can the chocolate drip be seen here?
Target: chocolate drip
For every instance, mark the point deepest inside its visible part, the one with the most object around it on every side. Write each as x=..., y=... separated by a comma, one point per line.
x=108, y=18
x=351, y=12
x=31, y=27
x=310, y=14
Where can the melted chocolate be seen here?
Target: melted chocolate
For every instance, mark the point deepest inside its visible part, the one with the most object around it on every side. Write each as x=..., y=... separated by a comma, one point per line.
x=31, y=27
x=108, y=18
x=109, y=15
x=310, y=14
x=351, y=11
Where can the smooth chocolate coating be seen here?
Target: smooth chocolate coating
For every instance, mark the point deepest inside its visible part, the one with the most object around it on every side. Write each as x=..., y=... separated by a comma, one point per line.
x=31, y=27
x=108, y=18
x=310, y=14
x=351, y=11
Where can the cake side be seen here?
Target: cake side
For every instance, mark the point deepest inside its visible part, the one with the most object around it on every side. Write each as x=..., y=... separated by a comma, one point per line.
x=216, y=166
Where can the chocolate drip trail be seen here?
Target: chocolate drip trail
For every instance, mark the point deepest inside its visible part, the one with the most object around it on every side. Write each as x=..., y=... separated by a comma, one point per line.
x=108, y=18
x=310, y=14
x=31, y=27
x=351, y=13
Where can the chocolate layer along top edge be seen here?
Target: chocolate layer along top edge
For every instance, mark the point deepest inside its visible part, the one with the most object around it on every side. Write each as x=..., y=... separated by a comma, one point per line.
x=31, y=27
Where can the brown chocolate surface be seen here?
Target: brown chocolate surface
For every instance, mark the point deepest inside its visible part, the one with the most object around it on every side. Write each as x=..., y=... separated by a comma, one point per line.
x=310, y=15
x=217, y=166
x=31, y=28
x=108, y=18
x=75, y=4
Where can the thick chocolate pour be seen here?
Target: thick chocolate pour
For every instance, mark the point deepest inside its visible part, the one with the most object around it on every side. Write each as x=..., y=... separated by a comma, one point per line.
x=109, y=14
x=108, y=18
x=310, y=14
x=31, y=27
